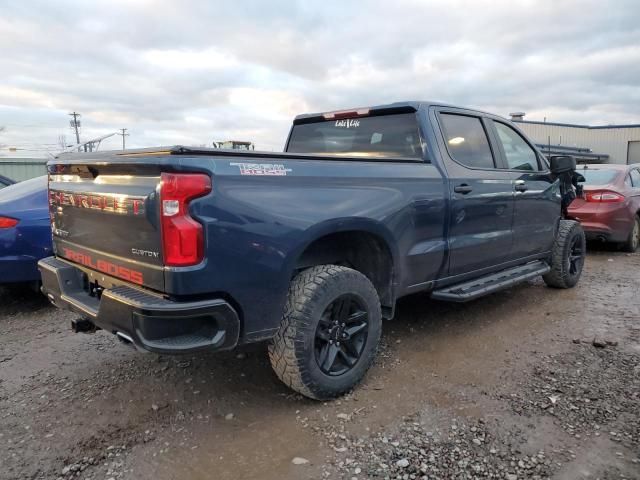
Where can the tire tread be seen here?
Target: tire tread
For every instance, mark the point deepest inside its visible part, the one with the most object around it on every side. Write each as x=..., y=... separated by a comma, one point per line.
x=558, y=275
x=286, y=350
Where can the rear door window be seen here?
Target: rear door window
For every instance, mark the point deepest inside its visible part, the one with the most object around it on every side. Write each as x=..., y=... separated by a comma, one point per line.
x=384, y=136
x=467, y=140
x=635, y=178
x=518, y=153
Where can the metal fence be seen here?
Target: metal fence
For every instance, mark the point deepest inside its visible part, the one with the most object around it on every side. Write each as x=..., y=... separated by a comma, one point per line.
x=20, y=169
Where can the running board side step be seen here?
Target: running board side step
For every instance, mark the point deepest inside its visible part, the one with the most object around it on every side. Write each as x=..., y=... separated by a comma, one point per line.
x=472, y=289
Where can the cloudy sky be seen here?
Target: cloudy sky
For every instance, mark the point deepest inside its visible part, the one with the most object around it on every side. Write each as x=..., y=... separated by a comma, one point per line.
x=190, y=72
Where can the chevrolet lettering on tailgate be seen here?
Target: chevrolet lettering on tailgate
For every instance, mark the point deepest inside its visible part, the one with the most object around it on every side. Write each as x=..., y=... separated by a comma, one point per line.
x=122, y=204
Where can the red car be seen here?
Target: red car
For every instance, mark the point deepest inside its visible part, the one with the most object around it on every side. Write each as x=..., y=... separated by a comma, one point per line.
x=609, y=208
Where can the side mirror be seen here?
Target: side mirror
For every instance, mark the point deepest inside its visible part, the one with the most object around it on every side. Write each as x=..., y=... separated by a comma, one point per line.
x=562, y=164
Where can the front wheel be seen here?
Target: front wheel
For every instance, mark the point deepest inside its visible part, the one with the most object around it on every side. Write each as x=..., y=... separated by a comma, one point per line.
x=329, y=333
x=567, y=256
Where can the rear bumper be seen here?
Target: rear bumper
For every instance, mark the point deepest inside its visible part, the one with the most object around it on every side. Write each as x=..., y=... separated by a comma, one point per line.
x=608, y=222
x=601, y=231
x=150, y=321
x=596, y=231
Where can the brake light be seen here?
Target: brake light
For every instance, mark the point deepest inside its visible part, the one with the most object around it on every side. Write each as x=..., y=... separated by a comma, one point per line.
x=346, y=114
x=7, y=222
x=182, y=236
x=604, y=196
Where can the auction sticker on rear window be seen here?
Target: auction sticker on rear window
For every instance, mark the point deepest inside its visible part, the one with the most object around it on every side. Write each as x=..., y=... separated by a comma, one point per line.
x=266, y=169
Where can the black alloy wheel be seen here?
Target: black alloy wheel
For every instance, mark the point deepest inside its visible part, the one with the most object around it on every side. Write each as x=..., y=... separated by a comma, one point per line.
x=576, y=255
x=567, y=256
x=329, y=332
x=341, y=335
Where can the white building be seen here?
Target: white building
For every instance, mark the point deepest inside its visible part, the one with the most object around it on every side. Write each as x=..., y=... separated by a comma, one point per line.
x=609, y=143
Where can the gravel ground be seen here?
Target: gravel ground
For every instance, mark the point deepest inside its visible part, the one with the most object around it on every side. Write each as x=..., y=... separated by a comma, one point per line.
x=588, y=392
x=527, y=383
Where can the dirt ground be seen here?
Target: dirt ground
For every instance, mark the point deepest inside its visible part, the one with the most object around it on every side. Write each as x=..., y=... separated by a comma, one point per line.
x=511, y=386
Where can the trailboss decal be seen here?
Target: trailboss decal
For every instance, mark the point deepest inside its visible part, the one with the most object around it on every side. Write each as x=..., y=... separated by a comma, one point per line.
x=350, y=123
x=266, y=169
x=103, y=266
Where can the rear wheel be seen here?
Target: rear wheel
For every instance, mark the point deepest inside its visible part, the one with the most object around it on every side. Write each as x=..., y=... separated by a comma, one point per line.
x=631, y=245
x=567, y=256
x=329, y=332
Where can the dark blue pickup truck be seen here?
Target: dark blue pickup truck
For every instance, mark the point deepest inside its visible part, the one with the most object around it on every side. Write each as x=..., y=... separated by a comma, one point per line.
x=183, y=249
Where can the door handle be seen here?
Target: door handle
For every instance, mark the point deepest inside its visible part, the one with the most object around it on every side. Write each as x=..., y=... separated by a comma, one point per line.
x=521, y=186
x=464, y=189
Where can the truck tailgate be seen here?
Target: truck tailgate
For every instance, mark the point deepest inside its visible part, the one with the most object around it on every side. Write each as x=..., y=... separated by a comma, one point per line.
x=108, y=220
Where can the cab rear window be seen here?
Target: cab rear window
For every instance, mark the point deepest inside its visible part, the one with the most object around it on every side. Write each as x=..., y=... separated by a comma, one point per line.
x=385, y=136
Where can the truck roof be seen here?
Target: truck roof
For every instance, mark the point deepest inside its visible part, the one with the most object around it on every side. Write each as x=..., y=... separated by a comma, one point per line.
x=396, y=107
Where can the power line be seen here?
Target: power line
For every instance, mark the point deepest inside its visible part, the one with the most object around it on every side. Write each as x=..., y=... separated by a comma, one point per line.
x=123, y=134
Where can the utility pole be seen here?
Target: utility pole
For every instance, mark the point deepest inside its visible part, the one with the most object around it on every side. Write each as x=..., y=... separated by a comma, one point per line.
x=123, y=134
x=75, y=124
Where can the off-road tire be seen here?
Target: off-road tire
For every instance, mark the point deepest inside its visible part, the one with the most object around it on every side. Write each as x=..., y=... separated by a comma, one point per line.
x=570, y=235
x=631, y=245
x=292, y=350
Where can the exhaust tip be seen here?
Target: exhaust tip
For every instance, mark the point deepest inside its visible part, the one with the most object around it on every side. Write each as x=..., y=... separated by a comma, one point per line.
x=124, y=338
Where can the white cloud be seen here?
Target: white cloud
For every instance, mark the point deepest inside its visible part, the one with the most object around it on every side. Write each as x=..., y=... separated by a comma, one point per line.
x=208, y=59
x=196, y=71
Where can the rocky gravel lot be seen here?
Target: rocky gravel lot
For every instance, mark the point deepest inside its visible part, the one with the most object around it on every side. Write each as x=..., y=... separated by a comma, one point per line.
x=528, y=383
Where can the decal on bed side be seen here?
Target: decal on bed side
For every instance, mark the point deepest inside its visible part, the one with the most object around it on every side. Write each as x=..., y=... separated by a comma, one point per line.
x=266, y=169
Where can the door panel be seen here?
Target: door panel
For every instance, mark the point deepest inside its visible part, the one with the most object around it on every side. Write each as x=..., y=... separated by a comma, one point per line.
x=480, y=223
x=536, y=214
x=482, y=196
x=537, y=197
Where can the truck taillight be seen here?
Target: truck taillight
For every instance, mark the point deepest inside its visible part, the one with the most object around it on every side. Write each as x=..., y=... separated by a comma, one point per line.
x=182, y=236
x=361, y=112
x=8, y=222
x=604, y=196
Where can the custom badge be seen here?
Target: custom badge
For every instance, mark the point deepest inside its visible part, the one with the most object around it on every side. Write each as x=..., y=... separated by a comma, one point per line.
x=264, y=169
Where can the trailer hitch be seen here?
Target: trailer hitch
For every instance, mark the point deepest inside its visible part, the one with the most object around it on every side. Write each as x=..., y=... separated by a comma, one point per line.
x=83, y=325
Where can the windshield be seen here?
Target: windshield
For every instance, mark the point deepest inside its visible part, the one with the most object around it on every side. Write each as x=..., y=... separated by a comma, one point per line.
x=380, y=136
x=598, y=176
